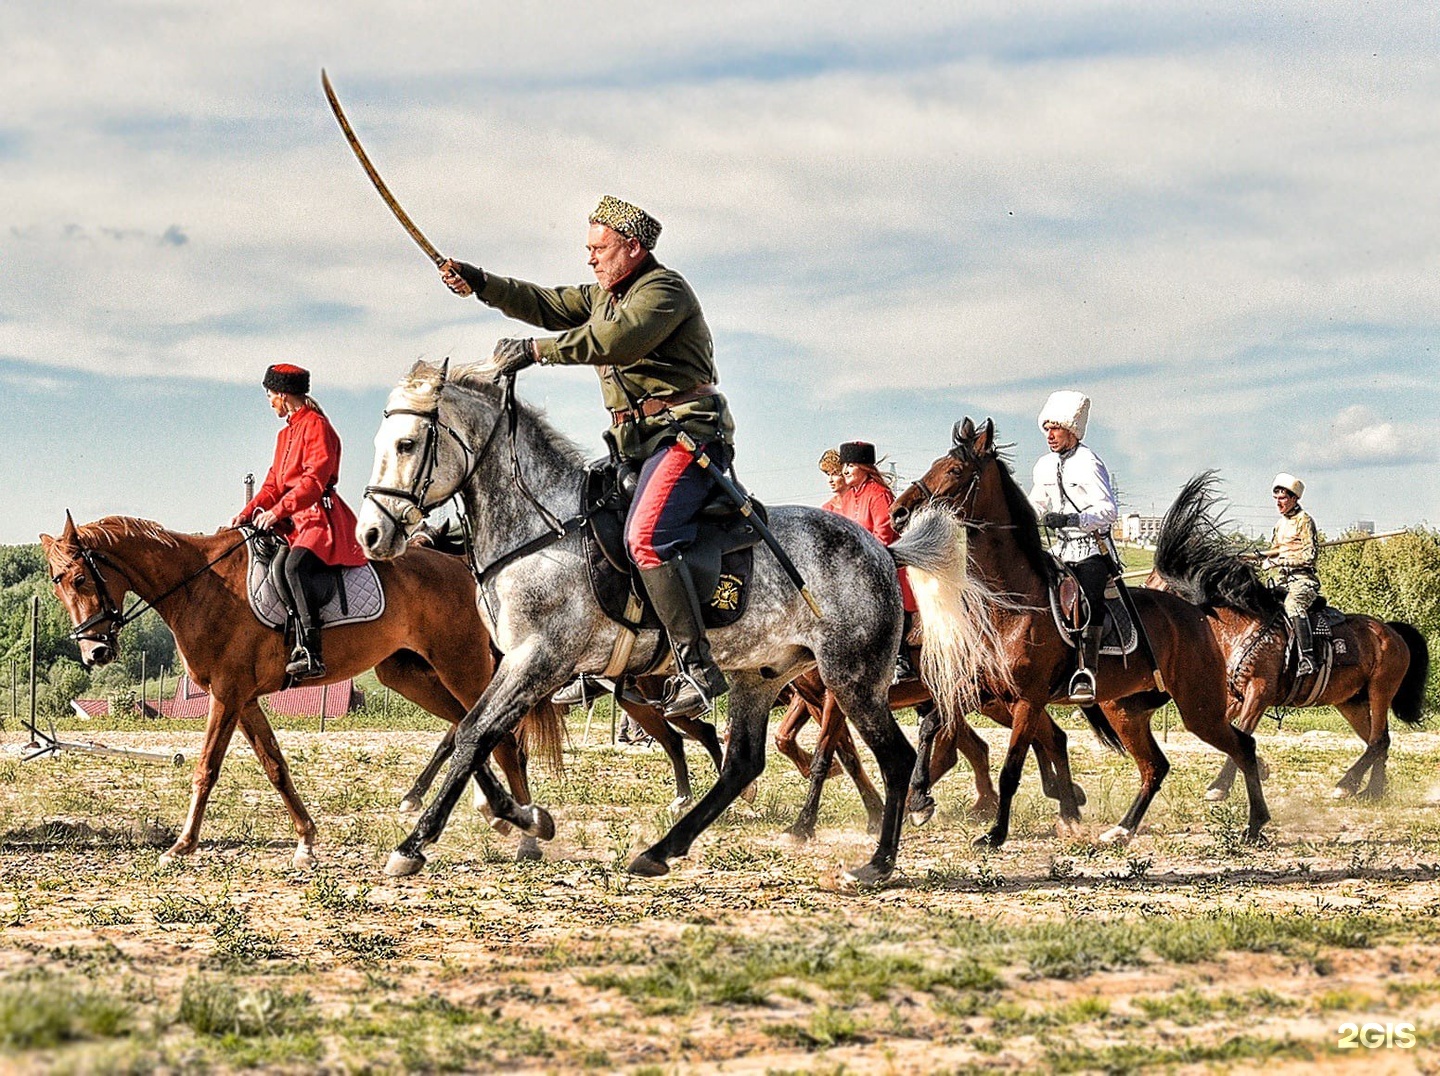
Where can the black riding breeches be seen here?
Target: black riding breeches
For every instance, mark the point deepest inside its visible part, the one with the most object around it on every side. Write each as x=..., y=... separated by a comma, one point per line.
x=290, y=573
x=1093, y=574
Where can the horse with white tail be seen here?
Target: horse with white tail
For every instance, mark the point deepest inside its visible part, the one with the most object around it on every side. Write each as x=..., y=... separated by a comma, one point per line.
x=459, y=433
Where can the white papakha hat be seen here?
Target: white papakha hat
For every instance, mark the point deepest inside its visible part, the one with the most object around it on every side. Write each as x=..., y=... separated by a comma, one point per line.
x=1289, y=482
x=1068, y=409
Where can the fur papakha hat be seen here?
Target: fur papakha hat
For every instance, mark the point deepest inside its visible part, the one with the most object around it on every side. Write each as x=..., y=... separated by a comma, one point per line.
x=629, y=220
x=862, y=452
x=1288, y=482
x=284, y=377
x=1067, y=409
x=830, y=461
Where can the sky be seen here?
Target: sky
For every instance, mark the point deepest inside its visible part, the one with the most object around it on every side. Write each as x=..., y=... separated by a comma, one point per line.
x=1219, y=221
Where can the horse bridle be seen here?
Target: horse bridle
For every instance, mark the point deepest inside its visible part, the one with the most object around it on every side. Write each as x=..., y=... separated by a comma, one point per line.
x=417, y=497
x=958, y=504
x=110, y=612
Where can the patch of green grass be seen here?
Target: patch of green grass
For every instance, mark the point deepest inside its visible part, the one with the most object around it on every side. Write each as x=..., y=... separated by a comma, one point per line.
x=1074, y=950
x=1135, y=1057
x=824, y=1028
x=111, y=916
x=220, y=1007
x=178, y=908
x=45, y=1013
x=326, y=891
x=367, y=948
x=237, y=944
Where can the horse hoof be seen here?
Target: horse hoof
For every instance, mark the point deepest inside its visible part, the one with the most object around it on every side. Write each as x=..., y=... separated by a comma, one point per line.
x=1080, y=798
x=799, y=835
x=863, y=878
x=501, y=827
x=304, y=858
x=1216, y=795
x=529, y=851
x=1340, y=793
x=919, y=818
x=399, y=865
x=540, y=823
x=1069, y=829
x=679, y=805
x=646, y=866
x=988, y=840
x=410, y=806
x=1116, y=835
x=751, y=790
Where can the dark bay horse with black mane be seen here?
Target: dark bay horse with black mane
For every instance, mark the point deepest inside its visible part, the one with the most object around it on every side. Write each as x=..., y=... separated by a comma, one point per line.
x=1390, y=660
x=976, y=484
x=429, y=644
x=460, y=433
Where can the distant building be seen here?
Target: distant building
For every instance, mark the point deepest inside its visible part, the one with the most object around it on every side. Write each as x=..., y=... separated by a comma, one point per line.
x=1138, y=529
x=1362, y=526
x=307, y=700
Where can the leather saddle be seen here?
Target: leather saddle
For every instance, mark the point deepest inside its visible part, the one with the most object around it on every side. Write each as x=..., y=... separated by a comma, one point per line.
x=338, y=595
x=721, y=558
x=1067, y=603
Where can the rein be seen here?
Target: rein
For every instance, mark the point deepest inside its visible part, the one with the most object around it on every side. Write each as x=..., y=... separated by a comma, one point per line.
x=110, y=612
x=509, y=418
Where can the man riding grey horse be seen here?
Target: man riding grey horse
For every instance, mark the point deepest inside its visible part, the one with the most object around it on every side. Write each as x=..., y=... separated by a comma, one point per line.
x=641, y=326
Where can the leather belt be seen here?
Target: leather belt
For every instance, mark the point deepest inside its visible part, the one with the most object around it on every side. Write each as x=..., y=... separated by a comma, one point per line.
x=653, y=405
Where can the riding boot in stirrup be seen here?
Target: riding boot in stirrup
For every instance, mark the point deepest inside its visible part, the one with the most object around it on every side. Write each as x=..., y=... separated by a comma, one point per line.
x=307, y=664
x=698, y=681
x=1304, y=645
x=1082, y=684
x=904, y=667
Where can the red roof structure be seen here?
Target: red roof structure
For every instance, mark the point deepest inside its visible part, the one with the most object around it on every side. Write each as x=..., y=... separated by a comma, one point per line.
x=189, y=701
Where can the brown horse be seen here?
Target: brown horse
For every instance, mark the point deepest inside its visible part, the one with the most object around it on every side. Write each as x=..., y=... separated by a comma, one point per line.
x=1389, y=660
x=429, y=644
x=1006, y=552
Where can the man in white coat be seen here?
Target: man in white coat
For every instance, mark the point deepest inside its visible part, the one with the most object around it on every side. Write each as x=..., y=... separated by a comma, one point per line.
x=1073, y=496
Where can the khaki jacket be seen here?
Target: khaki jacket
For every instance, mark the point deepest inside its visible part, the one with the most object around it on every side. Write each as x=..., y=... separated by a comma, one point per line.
x=649, y=332
x=1295, y=543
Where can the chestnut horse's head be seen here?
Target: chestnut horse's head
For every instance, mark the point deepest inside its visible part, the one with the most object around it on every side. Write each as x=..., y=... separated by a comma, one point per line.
x=86, y=595
x=951, y=480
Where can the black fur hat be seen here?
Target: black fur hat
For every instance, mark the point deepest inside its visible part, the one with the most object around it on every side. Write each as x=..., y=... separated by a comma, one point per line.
x=858, y=452
x=283, y=377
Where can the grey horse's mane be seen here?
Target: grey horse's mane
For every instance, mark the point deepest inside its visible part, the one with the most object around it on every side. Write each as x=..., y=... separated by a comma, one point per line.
x=418, y=389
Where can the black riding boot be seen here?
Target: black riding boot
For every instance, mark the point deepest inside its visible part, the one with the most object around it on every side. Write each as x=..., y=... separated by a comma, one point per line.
x=1087, y=655
x=698, y=681
x=306, y=662
x=904, y=668
x=1304, y=645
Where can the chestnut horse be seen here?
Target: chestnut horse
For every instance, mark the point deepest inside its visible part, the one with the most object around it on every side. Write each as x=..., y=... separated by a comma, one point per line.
x=975, y=483
x=1391, y=659
x=429, y=644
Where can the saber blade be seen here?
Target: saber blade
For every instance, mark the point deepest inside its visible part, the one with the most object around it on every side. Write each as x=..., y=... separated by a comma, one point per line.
x=364, y=159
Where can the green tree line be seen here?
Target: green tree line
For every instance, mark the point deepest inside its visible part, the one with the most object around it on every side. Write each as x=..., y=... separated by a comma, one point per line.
x=60, y=677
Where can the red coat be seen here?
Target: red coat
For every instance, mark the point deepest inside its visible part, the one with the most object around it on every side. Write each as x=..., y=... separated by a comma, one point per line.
x=307, y=464
x=868, y=504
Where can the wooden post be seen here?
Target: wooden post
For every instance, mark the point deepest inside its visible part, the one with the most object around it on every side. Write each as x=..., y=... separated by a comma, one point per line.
x=324, y=704
x=143, y=692
x=34, y=654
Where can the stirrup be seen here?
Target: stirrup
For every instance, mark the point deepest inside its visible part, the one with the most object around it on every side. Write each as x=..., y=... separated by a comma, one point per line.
x=1082, y=687
x=1305, y=665
x=305, y=667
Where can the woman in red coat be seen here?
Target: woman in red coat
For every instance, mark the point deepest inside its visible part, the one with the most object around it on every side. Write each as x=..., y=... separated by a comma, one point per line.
x=867, y=499
x=299, y=504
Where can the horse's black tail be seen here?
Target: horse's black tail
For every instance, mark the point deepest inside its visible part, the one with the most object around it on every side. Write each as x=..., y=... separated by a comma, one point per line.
x=1104, y=731
x=1409, y=701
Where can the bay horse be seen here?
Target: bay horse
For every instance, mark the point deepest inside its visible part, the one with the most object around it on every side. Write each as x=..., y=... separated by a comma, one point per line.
x=429, y=645
x=973, y=481
x=448, y=433
x=1391, y=659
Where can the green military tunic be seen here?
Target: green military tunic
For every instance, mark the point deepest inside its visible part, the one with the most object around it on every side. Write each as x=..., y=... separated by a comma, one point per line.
x=1295, y=545
x=648, y=332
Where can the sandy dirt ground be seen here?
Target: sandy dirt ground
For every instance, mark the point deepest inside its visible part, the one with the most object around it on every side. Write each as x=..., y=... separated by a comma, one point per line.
x=1187, y=951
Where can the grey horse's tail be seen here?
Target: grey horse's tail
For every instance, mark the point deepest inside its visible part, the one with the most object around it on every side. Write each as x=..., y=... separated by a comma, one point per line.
x=962, y=650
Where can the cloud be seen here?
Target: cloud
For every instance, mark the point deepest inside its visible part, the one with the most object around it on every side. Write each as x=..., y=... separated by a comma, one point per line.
x=1360, y=438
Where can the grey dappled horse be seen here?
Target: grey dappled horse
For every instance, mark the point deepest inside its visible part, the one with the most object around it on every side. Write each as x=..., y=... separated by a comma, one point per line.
x=462, y=433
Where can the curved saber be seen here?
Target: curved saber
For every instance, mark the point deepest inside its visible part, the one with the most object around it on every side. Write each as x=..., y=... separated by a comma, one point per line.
x=389, y=199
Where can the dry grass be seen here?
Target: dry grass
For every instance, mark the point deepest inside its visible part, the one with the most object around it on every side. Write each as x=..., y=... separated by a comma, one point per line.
x=1189, y=948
